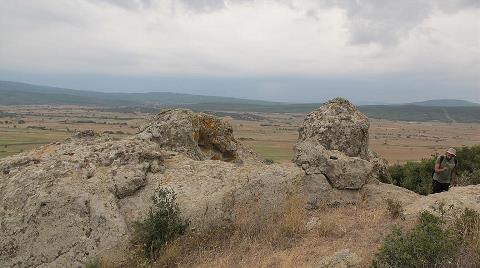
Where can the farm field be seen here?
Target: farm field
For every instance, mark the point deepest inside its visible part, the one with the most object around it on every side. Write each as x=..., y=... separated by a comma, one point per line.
x=272, y=135
x=396, y=141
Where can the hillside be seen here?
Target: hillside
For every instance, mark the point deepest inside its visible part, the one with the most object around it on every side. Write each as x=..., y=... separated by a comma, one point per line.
x=445, y=103
x=466, y=114
x=14, y=93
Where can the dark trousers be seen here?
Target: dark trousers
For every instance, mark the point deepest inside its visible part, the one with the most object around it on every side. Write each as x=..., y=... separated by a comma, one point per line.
x=438, y=187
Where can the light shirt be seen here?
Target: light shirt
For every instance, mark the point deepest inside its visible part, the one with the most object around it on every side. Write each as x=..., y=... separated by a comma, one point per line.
x=444, y=176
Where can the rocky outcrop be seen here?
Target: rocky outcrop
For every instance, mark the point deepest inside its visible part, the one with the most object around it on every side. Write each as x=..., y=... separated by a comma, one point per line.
x=198, y=135
x=333, y=142
x=457, y=198
x=59, y=204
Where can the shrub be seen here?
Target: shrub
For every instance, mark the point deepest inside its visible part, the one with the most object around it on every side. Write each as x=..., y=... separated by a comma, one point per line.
x=163, y=223
x=269, y=161
x=468, y=227
x=395, y=209
x=450, y=239
x=427, y=245
x=417, y=176
x=469, y=177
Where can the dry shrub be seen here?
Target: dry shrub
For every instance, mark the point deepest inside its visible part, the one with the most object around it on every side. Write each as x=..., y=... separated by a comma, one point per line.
x=261, y=236
x=278, y=227
x=395, y=209
x=292, y=217
x=328, y=226
x=469, y=177
x=252, y=229
x=467, y=225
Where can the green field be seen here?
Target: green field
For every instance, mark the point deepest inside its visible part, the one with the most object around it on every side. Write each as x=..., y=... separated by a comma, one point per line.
x=14, y=141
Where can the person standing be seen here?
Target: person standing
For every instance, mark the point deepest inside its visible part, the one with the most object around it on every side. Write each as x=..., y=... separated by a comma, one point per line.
x=445, y=171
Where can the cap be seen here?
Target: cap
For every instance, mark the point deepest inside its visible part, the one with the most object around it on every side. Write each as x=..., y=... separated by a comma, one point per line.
x=452, y=151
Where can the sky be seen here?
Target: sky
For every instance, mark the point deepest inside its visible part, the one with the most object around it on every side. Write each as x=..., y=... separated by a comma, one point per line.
x=370, y=51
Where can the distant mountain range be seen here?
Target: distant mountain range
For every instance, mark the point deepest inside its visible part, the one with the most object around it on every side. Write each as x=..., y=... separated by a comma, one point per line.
x=444, y=103
x=14, y=93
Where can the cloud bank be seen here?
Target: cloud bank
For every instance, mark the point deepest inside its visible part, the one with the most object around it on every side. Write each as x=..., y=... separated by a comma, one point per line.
x=329, y=39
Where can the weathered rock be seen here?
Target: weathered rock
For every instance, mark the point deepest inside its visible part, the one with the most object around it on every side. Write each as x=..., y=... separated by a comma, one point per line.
x=378, y=194
x=333, y=141
x=127, y=180
x=380, y=167
x=457, y=197
x=56, y=206
x=337, y=125
x=341, y=171
x=16, y=162
x=341, y=259
x=319, y=192
x=198, y=135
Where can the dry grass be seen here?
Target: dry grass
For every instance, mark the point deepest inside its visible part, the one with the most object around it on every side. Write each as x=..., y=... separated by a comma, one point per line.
x=100, y=262
x=289, y=236
x=470, y=255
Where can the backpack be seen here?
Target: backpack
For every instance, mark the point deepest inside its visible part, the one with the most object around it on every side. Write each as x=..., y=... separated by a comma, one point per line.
x=441, y=160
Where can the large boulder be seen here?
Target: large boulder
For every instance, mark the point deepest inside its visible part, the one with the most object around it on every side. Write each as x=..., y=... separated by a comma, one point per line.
x=341, y=171
x=333, y=142
x=59, y=204
x=337, y=125
x=197, y=135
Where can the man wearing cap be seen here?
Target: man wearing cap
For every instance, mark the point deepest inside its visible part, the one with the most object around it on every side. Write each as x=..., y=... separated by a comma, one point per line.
x=445, y=171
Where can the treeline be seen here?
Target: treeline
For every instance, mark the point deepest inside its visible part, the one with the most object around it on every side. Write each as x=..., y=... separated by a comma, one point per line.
x=417, y=176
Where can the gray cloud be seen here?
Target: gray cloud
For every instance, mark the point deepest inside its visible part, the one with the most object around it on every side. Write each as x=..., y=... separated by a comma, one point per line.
x=128, y=4
x=204, y=5
x=388, y=41
x=372, y=21
x=386, y=22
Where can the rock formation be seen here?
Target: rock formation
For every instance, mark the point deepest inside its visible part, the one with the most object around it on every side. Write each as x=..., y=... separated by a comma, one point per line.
x=66, y=202
x=333, y=143
x=59, y=203
x=337, y=125
x=197, y=135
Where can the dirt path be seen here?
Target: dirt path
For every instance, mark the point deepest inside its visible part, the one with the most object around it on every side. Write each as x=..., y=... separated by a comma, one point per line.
x=448, y=116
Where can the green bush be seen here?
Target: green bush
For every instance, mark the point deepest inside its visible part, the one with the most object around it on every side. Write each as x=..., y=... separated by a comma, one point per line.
x=269, y=161
x=163, y=223
x=417, y=176
x=427, y=245
x=450, y=239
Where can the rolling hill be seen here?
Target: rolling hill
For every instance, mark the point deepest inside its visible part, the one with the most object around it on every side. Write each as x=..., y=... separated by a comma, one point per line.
x=445, y=103
x=14, y=93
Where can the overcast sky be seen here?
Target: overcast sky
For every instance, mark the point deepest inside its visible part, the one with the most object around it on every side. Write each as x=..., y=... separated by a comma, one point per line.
x=283, y=50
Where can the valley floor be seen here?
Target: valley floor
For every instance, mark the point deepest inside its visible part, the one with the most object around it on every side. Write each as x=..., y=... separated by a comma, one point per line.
x=271, y=135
